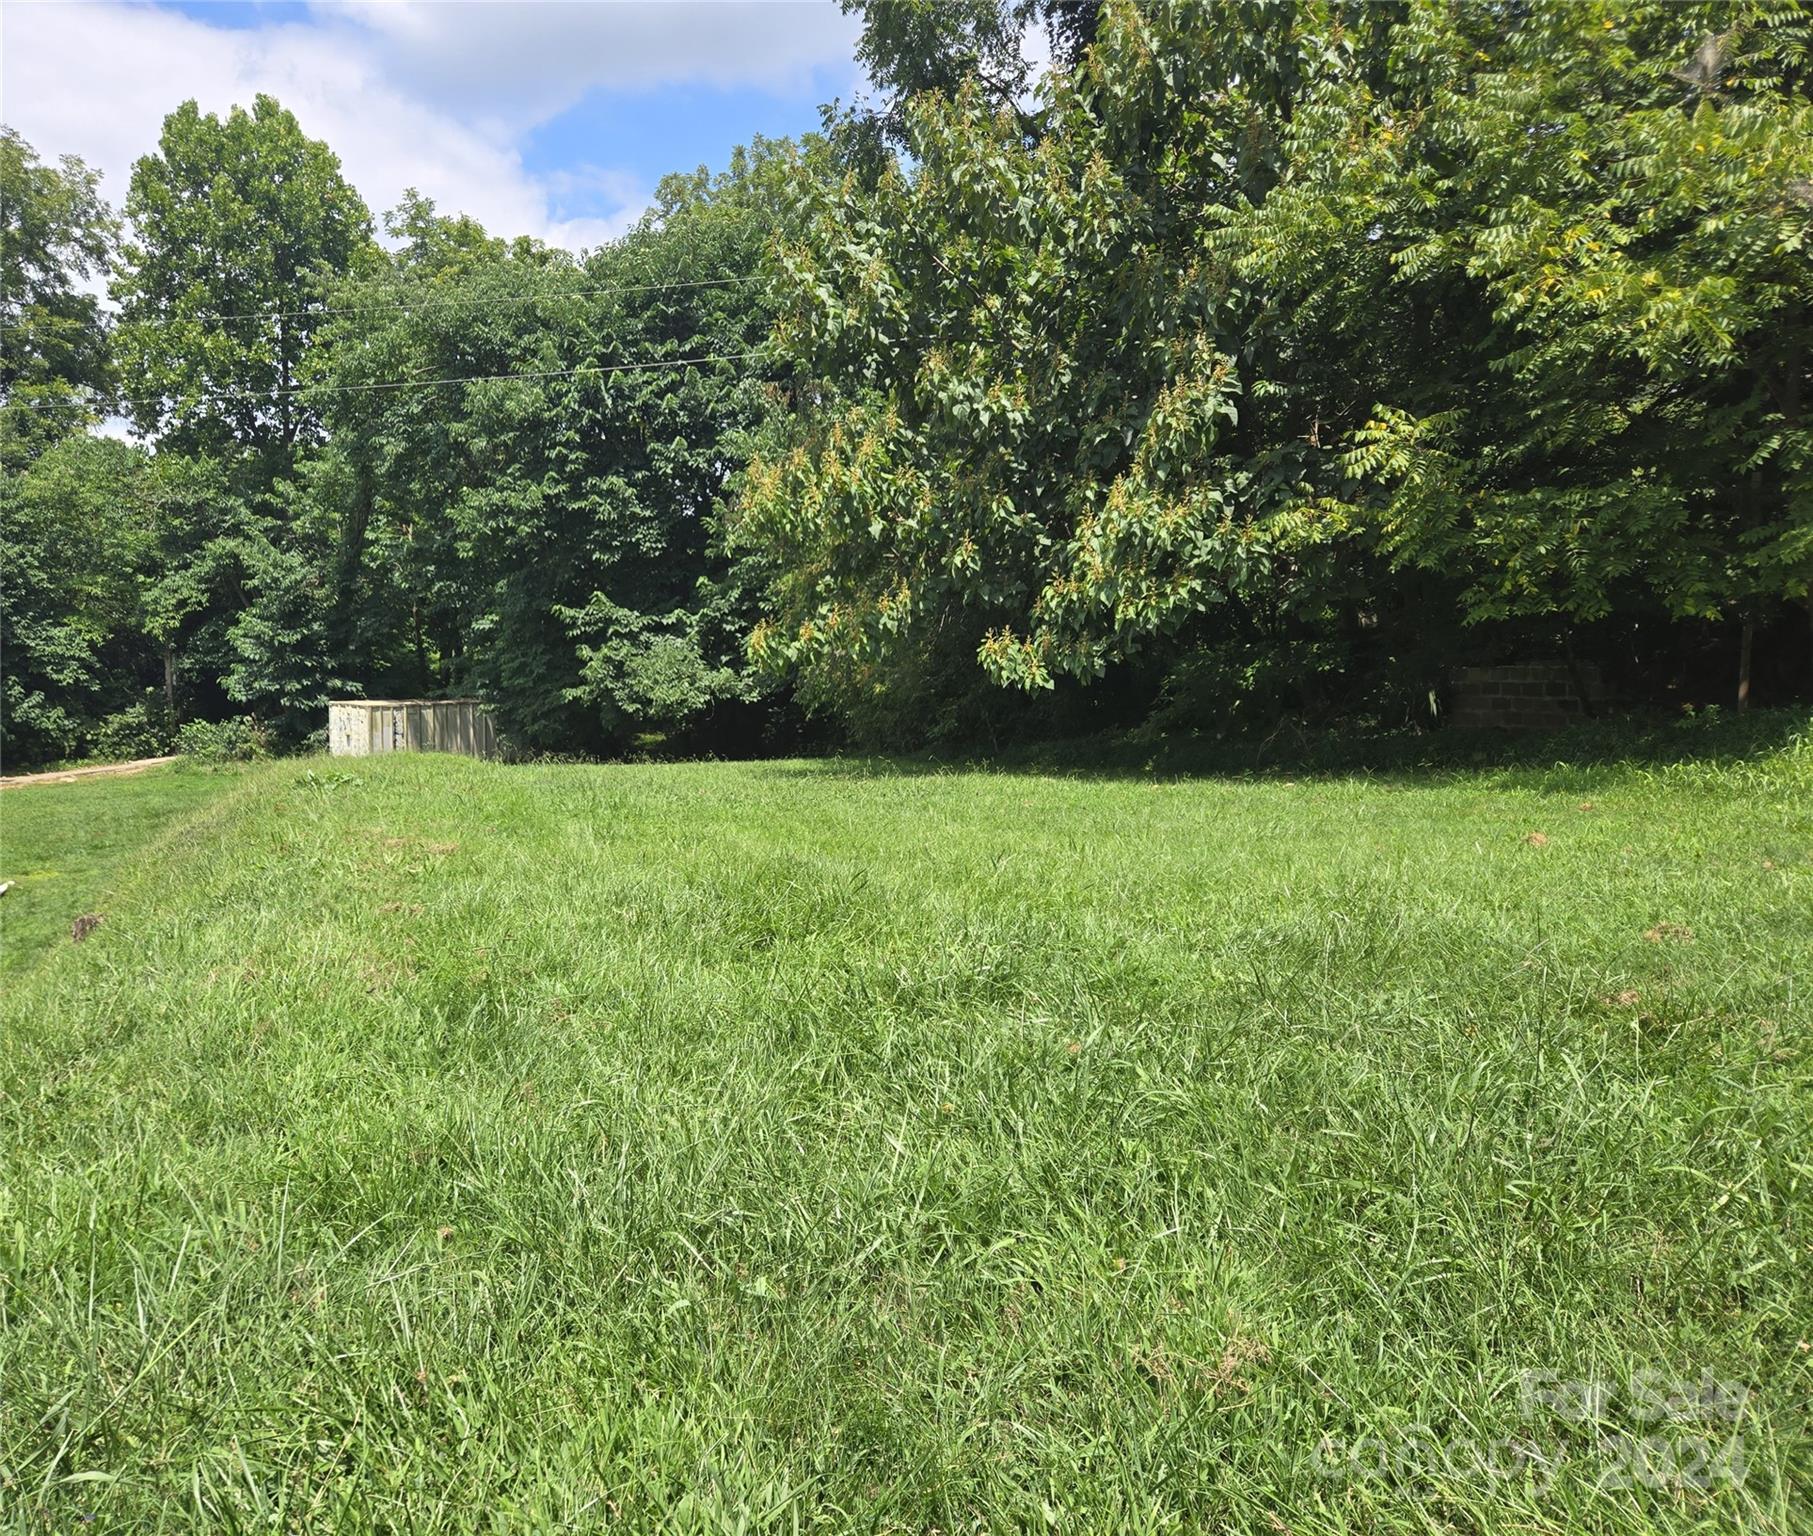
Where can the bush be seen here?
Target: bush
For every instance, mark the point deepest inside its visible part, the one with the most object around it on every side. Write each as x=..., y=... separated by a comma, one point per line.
x=144, y=729
x=223, y=741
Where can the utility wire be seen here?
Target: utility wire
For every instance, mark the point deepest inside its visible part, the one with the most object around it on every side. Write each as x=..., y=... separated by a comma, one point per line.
x=390, y=384
x=419, y=304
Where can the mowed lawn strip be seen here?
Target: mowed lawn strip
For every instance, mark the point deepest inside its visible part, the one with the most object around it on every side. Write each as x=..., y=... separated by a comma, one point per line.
x=445, y=1146
x=61, y=845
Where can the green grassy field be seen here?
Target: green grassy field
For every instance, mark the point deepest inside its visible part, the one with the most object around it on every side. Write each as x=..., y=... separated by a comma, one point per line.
x=61, y=845
x=440, y=1146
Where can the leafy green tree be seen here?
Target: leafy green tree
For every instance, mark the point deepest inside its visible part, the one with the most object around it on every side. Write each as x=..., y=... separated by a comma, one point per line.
x=545, y=530
x=283, y=662
x=1291, y=321
x=193, y=588
x=909, y=47
x=55, y=232
x=239, y=225
x=420, y=587
x=660, y=633
x=71, y=541
x=1623, y=188
x=120, y=571
x=1020, y=437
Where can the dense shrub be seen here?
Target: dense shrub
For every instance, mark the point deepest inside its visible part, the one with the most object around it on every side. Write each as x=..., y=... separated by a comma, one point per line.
x=144, y=729
x=224, y=741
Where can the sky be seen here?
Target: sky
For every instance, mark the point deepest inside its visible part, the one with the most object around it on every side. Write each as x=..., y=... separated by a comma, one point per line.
x=551, y=118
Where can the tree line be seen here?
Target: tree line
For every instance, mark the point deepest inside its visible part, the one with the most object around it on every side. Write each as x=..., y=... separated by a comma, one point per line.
x=1263, y=358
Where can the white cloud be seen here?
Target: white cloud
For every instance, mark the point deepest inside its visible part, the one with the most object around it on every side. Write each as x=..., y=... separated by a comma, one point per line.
x=432, y=96
x=527, y=61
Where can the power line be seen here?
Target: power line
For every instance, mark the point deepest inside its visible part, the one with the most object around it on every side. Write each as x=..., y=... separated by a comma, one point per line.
x=421, y=304
x=390, y=384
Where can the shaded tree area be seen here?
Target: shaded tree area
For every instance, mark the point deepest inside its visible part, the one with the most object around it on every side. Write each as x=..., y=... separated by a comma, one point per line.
x=445, y=463
x=547, y=535
x=1109, y=363
x=54, y=356
x=65, y=574
x=1288, y=353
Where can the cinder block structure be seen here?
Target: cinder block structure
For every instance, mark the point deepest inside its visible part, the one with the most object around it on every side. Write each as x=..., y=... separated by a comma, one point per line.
x=1533, y=697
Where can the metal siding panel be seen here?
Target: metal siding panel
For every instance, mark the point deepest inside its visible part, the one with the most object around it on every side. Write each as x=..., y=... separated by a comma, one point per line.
x=365, y=728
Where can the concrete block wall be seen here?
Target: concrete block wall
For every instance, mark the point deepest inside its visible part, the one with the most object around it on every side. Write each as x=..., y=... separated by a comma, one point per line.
x=1532, y=697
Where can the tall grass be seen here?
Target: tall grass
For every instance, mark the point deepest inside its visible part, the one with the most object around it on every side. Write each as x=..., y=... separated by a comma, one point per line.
x=438, y=1146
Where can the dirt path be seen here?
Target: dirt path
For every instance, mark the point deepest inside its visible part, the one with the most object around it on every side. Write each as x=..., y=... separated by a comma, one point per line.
x=70, y=775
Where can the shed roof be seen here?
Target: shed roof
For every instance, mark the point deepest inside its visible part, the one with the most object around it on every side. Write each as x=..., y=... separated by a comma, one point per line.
x=394, y=703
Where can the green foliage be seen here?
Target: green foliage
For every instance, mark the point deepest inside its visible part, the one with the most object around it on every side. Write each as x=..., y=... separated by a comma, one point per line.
x=146, y=728
x=190, y=566
x=909, y=47
x=1264, y=361
x=54, y=365
x=234, y=740
x=1037, y=445
x=282, y=658
x=70, y=546
x=239, y=225
x=122, y=570
x=650, y=670
x=1615, y=303
x=194, y=584
x=552, y=543
x=1287, y=317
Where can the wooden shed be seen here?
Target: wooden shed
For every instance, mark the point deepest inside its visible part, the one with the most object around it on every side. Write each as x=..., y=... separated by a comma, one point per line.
x=366, y=727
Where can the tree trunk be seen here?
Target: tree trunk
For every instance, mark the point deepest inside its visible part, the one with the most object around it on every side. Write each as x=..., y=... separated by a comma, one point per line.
x=352, y=563
x=423, y=682
x=284, y=411
x=170, y=679
x=1745, y=646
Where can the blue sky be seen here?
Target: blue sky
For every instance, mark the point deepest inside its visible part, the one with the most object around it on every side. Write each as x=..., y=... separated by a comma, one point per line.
x=676, y=127
x=233, y=13
x=542, y=118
